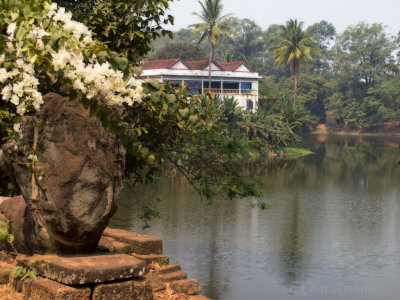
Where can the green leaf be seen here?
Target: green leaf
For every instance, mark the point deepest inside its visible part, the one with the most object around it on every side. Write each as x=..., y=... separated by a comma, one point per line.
x=184, y=112
x=10, y=238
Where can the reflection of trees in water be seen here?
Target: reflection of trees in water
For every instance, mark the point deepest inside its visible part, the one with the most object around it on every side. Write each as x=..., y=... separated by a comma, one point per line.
x=290, y=252
x=366, y=163
x=363, y=163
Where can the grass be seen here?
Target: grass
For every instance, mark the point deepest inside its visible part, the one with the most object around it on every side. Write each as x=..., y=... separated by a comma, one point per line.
x=292, y=153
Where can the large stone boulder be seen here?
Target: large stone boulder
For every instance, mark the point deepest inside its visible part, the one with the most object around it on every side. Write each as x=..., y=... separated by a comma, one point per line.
x=77, y=182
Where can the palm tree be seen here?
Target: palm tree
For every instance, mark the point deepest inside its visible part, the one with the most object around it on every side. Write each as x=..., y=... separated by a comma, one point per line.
x=294, y=47
x=214, y=27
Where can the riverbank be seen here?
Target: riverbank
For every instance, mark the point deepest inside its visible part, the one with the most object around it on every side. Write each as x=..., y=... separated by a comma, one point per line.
x=376, y=129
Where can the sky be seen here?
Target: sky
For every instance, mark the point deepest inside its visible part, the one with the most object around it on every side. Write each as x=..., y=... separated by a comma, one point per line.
x=341, y=13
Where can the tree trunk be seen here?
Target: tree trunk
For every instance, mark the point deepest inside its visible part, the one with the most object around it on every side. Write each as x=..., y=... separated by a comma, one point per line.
x=296, y=80
x=209, y=65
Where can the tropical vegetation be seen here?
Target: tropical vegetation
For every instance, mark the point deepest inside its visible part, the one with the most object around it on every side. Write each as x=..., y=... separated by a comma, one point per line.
x=354, y=82
x=213, y=28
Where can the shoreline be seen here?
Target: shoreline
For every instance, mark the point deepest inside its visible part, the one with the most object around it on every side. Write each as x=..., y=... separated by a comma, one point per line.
x=392, y=129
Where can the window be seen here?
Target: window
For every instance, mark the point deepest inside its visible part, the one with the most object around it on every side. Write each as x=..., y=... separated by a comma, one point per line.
x=231, y=85
x=246, y=86
x=214, y=84
x=249, y=105
x=194, y=86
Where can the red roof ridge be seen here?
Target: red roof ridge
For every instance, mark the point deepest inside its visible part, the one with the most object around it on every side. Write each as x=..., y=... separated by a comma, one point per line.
x=178, y=58
x=197, y=60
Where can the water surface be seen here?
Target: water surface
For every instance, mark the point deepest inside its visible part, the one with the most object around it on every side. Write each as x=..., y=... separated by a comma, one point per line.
x=332, y=230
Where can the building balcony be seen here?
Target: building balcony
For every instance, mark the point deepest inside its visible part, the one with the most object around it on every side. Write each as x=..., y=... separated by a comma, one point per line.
x=231, y=91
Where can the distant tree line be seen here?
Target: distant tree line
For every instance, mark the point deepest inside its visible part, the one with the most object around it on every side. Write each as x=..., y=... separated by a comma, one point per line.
x=354, y=81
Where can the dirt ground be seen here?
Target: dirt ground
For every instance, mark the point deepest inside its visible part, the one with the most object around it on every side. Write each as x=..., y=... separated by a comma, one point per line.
x=6, y=292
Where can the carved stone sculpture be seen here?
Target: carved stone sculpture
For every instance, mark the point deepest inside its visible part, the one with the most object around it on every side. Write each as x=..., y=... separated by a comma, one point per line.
x=66, y=209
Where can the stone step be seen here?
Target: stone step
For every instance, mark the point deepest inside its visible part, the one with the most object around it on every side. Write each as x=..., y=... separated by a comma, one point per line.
x=199, y=297
x=5, y=270
x=85, y=269
x=140, y=244
x=177, y=275
x=169, y=269
x=149, y=258
x=43, y=288
x=187, y=286
x=114, y=246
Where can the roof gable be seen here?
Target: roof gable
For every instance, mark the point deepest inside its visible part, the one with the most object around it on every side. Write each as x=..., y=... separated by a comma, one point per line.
x=235, y=66
x=197, y=64
x=180, y=65
x=160, y=64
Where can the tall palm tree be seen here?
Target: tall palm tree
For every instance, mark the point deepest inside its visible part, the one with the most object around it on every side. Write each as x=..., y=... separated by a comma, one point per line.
x=294, y=47
x=214, y=27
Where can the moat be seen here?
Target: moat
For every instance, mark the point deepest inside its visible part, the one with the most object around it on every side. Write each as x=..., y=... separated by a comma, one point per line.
x=331, y=230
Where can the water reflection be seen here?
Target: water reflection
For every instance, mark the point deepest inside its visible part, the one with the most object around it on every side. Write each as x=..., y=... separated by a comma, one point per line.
x=332, y=231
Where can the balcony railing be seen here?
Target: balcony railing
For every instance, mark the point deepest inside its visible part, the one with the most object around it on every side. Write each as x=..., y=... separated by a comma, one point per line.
x=231, y=91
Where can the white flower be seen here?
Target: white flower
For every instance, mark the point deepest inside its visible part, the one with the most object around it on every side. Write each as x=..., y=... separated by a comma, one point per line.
x=3, y=75
x=15, y=99
x=17, y=127
x=6, y=92
x=39, y=44
x=18, y=89
x=21, y=109
x=11, y=28
x=33, y=158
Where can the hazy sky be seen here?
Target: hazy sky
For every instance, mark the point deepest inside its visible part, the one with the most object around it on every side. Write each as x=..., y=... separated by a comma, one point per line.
x=340, y=13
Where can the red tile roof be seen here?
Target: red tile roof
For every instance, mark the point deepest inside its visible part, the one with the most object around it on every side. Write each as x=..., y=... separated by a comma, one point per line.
x=159, y=64
x=232, y=66
x=193, y=65
x=198, y=64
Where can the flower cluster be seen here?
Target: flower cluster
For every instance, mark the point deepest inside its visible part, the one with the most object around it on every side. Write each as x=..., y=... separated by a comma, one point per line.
x=22, y=89
x=19, y=77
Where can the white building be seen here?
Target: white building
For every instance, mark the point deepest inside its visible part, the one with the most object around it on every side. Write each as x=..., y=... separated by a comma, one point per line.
x=228, y=79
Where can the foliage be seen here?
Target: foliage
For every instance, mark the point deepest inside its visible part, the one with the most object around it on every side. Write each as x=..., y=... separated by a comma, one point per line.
x=44, y=50
x=324, y=34
x=22, y=273
x=128, y=27
x=183, y=50
x=294, y=47
x=213, y=27
x=5, y=236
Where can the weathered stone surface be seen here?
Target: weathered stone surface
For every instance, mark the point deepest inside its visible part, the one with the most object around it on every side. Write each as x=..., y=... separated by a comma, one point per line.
x=5, y=270
x=142, y=290
x=80, y=270
x=199, y=297
x=126, y=290
x=82, y=163
x=169, y=269
x=7, y=257
x=16, y=283
x=186, y=286
x=45, y=289
x=156, y=283
x=26, y=288
x=14, y=209
x=177, y=275
x=140, y=244
x=149, y=258
x=114, y=246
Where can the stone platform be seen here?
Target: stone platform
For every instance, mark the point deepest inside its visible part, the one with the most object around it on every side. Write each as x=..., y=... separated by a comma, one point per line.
x=130, y=266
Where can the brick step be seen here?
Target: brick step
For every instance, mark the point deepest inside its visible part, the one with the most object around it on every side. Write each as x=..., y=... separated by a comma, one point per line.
x=149, y=258
x=178, y=275
x=140, y=244
x=187, y=286
x=169, y=269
